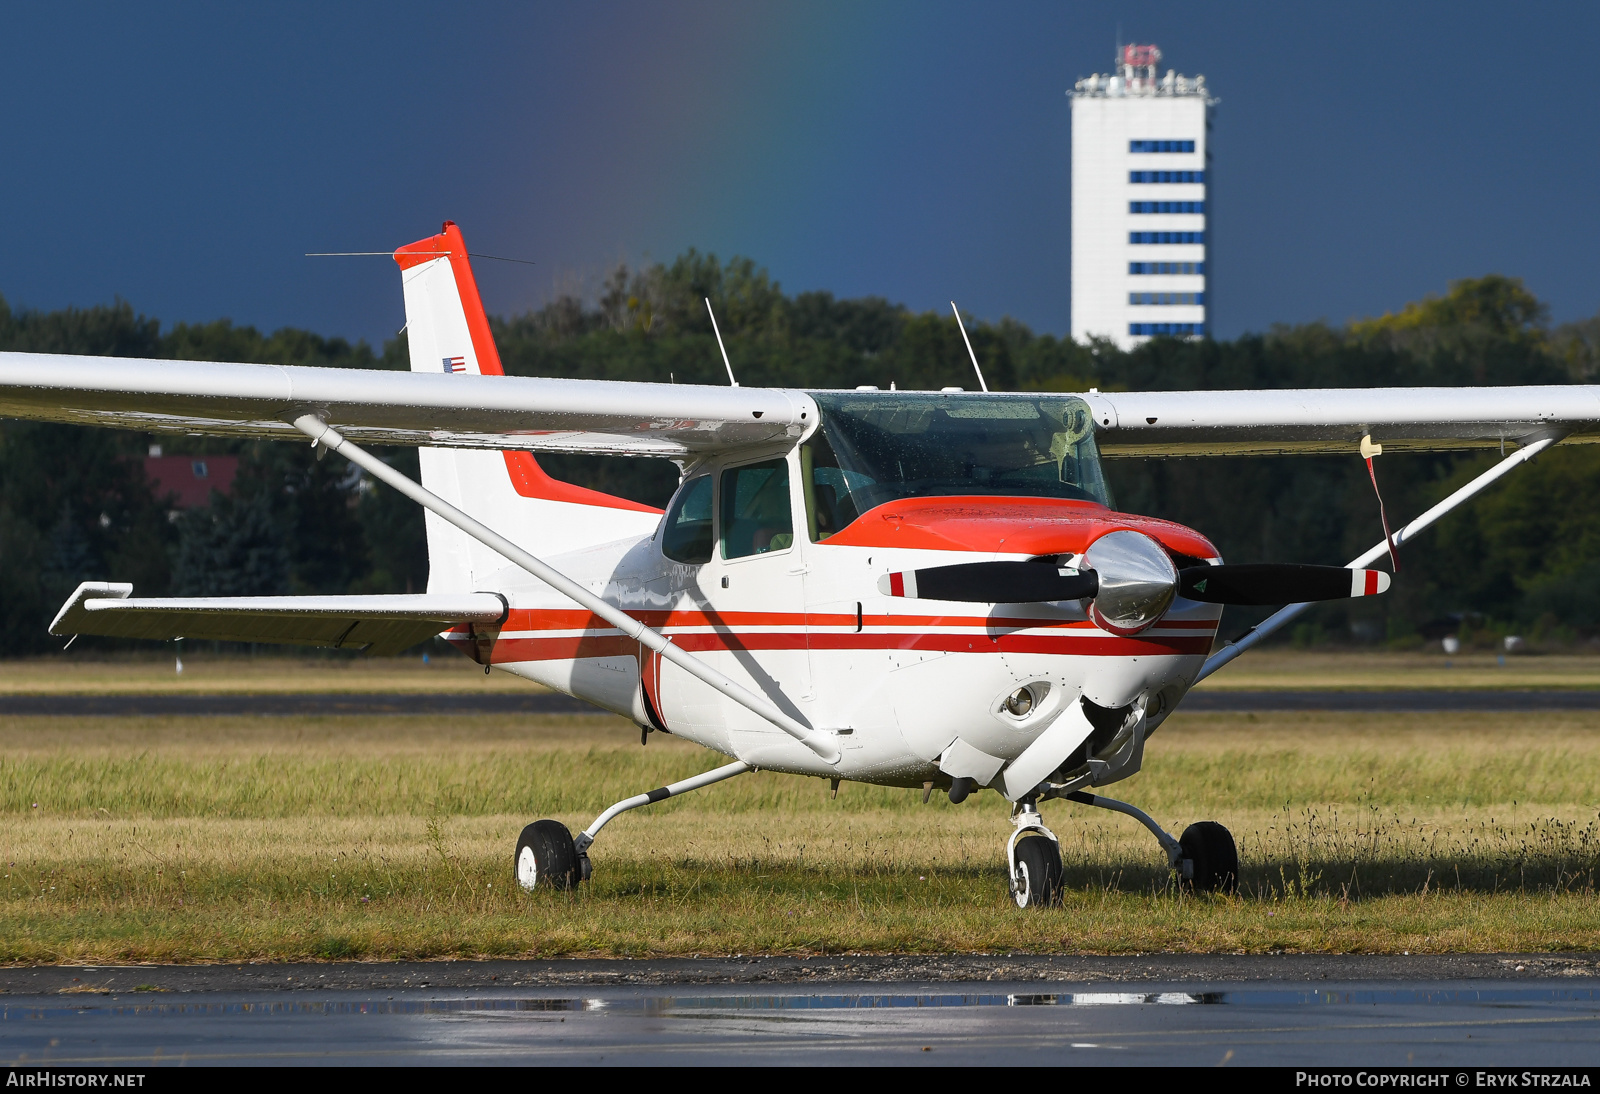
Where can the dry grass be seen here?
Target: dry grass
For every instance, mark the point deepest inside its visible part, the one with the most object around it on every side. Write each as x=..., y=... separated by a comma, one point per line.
x=204, y=673
x=1363, y=670
x=219, y=839
x=210, y=675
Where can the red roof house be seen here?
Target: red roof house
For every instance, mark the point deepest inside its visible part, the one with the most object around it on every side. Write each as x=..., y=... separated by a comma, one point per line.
x=191, y=478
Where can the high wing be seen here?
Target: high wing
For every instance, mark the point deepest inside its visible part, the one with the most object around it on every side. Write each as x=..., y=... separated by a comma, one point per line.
x=407, y=408
x=1308, y=420
x=377, y=624
x=627, y=418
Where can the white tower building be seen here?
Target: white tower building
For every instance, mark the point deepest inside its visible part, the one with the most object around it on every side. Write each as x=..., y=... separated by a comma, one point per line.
x=1139, y=172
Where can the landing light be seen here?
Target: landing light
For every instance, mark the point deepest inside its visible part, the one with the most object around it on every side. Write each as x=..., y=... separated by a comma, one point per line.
x=1019, y=702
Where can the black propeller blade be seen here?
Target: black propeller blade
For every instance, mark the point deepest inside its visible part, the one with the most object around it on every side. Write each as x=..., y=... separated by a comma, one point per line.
x=1251, y=584
x=1275, y=583
x=992, y=583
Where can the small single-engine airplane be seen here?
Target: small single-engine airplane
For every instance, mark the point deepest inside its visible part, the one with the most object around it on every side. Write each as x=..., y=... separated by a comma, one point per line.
x=917, y=589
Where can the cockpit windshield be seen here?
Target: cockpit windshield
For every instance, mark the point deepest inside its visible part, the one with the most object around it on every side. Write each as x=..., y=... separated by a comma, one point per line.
x=881, y=446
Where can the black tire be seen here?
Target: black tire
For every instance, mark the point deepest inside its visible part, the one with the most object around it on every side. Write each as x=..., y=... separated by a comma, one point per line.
x=1038, y=880
x=547, y=858
x=1216, y=860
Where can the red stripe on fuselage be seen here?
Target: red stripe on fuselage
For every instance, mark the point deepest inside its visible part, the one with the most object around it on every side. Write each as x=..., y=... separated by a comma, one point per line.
x=571, y=647
x=574, y=619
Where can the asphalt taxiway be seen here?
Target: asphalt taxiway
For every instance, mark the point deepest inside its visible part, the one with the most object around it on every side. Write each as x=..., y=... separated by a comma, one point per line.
x=1291, y=1010
x=533, y=702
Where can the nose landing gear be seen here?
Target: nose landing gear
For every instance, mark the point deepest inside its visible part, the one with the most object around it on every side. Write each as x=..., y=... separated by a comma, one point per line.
x=1034, y=858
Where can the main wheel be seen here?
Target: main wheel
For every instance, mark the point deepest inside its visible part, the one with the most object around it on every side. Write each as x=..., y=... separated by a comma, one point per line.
x=1216, y=860
x=1037, y=883
x=547, y=857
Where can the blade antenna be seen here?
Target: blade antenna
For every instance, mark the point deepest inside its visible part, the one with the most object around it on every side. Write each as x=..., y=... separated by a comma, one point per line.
x=963, y=328
x=720, y=346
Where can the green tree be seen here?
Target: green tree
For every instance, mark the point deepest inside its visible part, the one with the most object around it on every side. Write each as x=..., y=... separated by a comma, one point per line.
x=233, y=547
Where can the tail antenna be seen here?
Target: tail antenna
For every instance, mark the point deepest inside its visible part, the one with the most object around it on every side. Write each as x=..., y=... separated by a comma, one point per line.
x=720, y=346
x=963, y=328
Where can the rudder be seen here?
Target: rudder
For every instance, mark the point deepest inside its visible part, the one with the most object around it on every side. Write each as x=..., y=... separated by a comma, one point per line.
x=448, y=331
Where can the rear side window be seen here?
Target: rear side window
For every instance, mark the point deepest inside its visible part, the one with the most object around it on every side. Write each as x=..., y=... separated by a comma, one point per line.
x=686, y=535
x=755, y=509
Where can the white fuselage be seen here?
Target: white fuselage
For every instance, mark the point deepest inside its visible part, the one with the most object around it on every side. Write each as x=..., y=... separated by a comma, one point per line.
x=900, y=680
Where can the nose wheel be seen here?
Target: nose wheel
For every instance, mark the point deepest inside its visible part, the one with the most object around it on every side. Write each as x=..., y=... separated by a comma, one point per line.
x=1034, y=858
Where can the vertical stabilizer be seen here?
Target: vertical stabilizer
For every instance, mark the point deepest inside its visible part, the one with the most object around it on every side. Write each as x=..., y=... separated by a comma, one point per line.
x=448, y=332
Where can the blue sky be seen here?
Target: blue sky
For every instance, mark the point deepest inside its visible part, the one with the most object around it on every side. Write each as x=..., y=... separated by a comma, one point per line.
x=183, y=157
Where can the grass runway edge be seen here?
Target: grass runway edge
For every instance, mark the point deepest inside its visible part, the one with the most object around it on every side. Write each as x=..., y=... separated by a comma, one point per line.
x=376, y=838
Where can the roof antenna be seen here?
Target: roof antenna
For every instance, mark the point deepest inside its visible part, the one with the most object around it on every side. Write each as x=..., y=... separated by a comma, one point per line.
x=963, y=328
x=720, y=346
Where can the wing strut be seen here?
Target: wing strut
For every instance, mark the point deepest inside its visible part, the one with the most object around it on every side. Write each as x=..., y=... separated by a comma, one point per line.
x=1284, y=615
x=321, y=433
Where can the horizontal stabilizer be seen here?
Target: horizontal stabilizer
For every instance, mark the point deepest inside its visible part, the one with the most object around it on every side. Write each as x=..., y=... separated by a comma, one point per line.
x=377, y=624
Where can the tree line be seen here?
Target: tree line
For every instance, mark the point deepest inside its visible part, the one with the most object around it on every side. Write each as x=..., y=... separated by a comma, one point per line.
x=75, y=504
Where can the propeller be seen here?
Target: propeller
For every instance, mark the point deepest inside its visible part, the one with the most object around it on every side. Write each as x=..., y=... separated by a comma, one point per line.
x=993, y=583
x=1130, y=581
x=1277, y=583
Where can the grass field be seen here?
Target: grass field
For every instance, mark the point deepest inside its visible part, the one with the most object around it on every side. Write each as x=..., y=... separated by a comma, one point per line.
x=197, y=839
x=203, y=675
x=1366, y=670
x=448, y=671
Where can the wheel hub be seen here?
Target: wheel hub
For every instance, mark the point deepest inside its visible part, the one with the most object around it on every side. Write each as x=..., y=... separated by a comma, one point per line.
x=1020, y=887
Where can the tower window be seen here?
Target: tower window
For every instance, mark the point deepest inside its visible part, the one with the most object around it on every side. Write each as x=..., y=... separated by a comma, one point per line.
x=1139, y=268
x=1161, y=146
x=1166, y=206
x=1142, y=298
x=1166, y=176
x=1152, y=329
x=1166, y=237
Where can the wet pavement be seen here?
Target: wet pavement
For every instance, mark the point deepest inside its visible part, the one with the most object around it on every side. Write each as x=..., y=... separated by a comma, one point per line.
x=1286, y=1010
x=500, y=702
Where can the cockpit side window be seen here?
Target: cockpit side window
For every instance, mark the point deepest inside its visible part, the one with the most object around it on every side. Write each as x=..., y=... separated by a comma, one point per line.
x=686, y=530
x=829, y=503
x=755, y=509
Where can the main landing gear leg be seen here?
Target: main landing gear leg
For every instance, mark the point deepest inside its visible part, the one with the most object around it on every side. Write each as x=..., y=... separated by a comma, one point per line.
x=1204, y=857
x=548, y=857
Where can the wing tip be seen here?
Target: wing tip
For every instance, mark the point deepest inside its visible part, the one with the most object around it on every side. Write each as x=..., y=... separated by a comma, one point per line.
x=70, y=617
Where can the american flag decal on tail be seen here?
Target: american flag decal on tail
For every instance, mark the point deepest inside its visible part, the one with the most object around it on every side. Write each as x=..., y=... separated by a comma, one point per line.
x=455, y=364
